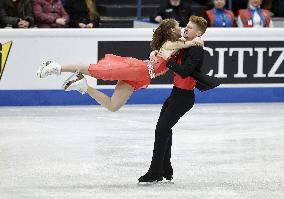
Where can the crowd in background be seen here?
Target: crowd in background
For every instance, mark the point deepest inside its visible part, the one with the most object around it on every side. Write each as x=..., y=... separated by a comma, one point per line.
x=49, y=13
x=245, y=13
x=83, y=13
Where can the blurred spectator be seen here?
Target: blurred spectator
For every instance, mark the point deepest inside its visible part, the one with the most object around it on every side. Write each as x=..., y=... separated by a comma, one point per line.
x=266, y=4
x=239, y=4
x=50, y=14
x=201, y=2
x=198, y=7
x=1, y=15
x=174, y=9
x=254, y=16
x=16, y=13
x=63, y=2
x=278, y=7
x=220, y=17
x=83, y=13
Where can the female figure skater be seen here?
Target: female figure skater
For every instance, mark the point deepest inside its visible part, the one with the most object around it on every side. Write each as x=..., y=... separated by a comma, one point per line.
x=132, y=74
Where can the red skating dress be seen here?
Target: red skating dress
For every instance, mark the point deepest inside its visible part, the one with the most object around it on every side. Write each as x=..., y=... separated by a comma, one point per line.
x=135, y=72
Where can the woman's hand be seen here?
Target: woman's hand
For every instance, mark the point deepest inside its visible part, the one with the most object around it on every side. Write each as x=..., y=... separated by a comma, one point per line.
x=82, y=25
x=197, y=42
x=90, y=25
x=60, y=21
x=23, y=24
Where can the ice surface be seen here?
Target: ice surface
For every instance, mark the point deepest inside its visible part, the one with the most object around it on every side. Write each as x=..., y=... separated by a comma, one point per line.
x=230, y=151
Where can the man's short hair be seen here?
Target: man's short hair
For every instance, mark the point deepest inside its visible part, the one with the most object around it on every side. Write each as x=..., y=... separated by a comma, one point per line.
x=200, y=22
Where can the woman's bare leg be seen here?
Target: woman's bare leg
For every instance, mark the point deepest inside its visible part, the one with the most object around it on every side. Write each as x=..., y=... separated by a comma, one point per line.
x=83, y=68
x=52, y=68
x=119, y=97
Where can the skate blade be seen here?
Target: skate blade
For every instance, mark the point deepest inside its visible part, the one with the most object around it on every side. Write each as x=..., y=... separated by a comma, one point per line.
x=67, y=81
x=39, y=71
x=167, y=182
x=149, y=183
x=68, y=85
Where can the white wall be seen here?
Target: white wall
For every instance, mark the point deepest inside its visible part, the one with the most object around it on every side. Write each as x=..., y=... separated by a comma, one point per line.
x=80, y=46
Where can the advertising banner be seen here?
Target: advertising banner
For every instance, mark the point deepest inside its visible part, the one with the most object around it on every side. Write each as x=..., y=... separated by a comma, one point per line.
x=248, y=62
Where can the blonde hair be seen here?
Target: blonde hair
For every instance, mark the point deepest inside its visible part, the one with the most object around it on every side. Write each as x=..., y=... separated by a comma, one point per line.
x=200, y=22
x=92, y=9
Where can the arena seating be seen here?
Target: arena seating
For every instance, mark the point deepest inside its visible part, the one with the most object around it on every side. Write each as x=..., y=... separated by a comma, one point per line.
x=121, y=13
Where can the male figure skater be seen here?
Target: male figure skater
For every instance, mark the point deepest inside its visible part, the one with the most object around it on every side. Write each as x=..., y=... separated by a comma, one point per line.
x=187, y=75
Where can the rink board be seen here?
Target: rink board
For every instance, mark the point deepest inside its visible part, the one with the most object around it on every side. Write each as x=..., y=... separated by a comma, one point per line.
x=146, y=96
x=248, y=62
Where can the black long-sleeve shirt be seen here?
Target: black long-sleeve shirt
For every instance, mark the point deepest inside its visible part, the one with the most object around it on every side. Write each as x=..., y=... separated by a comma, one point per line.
x=79, y=13
x=191, y=61
x=11, y=13
x=180, y=13
x=191, y=66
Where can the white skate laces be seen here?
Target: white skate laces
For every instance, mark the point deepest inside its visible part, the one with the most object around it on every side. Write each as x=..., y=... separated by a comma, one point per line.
x=76, y=82
x=48, y=68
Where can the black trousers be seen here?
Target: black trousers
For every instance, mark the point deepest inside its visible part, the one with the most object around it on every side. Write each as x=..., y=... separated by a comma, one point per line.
x=176, y=105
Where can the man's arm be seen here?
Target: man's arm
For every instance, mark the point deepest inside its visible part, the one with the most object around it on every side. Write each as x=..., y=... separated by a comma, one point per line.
x=8, y=20
x=190, y=64
x=29, y=14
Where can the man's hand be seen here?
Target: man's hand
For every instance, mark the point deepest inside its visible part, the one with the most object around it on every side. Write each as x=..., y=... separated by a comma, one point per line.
x=23, y=24
x=182, y=39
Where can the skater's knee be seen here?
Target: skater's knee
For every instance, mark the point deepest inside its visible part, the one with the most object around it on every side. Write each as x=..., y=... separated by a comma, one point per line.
x=113, y=108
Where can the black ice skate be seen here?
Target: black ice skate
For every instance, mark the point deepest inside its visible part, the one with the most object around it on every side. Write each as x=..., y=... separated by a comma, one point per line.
x=150, y=178
x=168, y=176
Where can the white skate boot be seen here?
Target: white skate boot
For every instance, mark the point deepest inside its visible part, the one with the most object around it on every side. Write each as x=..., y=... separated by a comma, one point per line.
x=76, y=82
x=48, y=68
